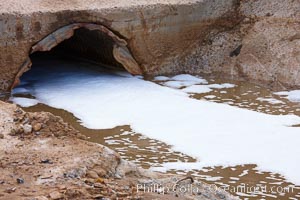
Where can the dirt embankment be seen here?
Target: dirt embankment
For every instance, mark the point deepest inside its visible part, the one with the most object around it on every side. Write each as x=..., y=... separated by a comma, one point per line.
x=256, y=40
x=263, y=47
x=42, y=157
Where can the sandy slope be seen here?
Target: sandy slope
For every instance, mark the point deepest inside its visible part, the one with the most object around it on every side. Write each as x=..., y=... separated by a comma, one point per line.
x=51, y=162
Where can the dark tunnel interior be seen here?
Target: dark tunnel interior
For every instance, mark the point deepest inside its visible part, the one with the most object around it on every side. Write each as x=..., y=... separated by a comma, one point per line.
x=85, y=45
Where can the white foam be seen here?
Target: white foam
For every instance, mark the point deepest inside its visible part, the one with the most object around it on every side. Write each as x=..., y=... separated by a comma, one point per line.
x=197, y=89
x=270, y=100
x=188, y=77
x=221, y=86
x=180, y=81
x=178, y=84
x=190, y=84
x=24, y=102
x=161, y=78
x=211, y=178
x=210, y=96
x=245, y=172
x=216, y=134
x=293, y=95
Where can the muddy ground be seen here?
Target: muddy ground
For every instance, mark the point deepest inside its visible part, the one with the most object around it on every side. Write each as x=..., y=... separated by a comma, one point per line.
x=42, y=157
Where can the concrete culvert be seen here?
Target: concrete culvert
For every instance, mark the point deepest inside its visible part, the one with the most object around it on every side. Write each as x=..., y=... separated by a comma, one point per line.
x=90, y=42
x=91, y=45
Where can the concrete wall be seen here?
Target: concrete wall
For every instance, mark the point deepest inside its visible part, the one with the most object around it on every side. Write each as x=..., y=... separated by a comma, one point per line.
x=155, y=34
x=256, y=40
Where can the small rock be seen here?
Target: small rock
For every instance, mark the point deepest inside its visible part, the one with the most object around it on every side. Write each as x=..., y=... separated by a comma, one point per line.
x=82, y=137
x=101, y=172
x=46, y=161
x=118, y=176
x=99, y=197
x=41, y=198
x=18, y=111
x=20, y=180
x=74, y=173
x=62, y=187
x=92, y=174
x=100, y=180
x=56, y=195
x=1, y=136
x=12, y=132
x=122, y=194
x=27, y=128
x=26, y=119
x=220, y=195
x=38, y=133
x=73, y=193
x=246, y=20
x=11, y=190
x=98, y=185
x=89, y=181
x=37, y=127
x=46, y=176
x=19, y=130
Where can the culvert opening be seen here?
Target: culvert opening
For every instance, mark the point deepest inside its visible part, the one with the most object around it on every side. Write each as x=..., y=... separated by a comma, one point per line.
x=86, y=45
x=91, y=43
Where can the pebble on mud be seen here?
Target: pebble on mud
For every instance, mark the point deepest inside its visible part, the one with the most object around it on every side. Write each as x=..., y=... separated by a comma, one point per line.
x=27, y=128
x=16, y=131
x=1, y=136
x=122, y=194
x=101, y=172
x=46, y=161
x=10, y=190
x=56, y=195
x=92, y=174
x=37, y=127
x=41, y=198
x=20, y=180
x=98, y=185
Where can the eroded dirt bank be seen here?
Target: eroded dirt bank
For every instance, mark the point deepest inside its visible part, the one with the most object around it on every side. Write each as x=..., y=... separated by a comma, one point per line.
x=263, y=47
x=257, y=40
x=43, y=157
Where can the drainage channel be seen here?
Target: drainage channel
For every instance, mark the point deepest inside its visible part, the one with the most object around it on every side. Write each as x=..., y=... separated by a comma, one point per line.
x=153, y=153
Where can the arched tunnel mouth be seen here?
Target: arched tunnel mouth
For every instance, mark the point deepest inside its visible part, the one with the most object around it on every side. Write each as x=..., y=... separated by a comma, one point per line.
x=82, y=42
x=86, y=45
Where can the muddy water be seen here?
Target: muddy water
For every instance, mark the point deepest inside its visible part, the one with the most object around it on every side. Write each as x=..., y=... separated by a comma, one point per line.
x=148, y=152
x=130, y=145
x=252, y=97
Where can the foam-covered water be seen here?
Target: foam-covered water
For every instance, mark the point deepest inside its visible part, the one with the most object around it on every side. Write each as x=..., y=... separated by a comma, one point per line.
x=214, y=133
x=293, y=95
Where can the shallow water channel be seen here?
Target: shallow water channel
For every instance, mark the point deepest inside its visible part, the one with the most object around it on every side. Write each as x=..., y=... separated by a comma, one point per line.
x=39, y=87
